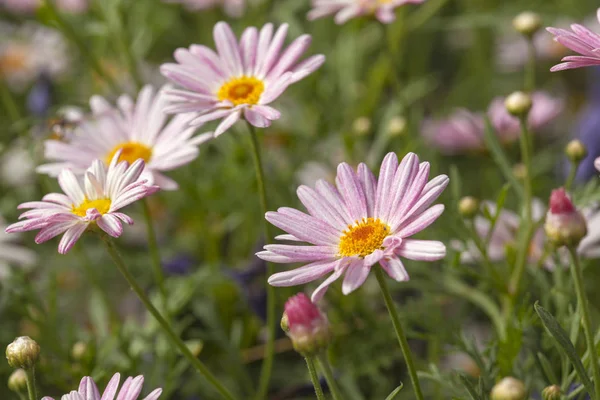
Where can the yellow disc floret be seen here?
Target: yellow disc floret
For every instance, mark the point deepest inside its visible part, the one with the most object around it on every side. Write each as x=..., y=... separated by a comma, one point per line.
x=102, y=205
x=130, y=152
x=242, y=90
x=363, y=238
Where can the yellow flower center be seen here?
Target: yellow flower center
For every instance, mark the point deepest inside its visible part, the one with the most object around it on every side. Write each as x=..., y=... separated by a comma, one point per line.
x=242, y=90
x=363, y=238
x=131, y=152
x=14, y=59
x=102, y=205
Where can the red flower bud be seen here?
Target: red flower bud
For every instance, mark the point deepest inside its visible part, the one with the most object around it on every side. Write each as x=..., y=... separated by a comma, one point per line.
x=565, y=226
x=305, y=325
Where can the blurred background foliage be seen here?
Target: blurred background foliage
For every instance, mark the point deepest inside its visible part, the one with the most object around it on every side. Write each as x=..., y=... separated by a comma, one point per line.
x=444, y=54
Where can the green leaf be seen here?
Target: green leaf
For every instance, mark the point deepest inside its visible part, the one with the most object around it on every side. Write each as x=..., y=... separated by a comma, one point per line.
x=455, y=183
x=562, y=339
x=493, y=145
x=392, y=395
x=470, y=387
x=547, y=368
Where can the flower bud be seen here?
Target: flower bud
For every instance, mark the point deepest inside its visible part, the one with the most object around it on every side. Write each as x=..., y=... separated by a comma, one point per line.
x=17, y=382
x=78, y=350
x=396, y=126
x=468, y=207
x=518, y=104
x=551, y=393
x=520, y=171
x=23, y=352
x=307, y=326
x=361, y=126
x=527, y=23
x=509, y=388
x=565, y=225
x=576, y=151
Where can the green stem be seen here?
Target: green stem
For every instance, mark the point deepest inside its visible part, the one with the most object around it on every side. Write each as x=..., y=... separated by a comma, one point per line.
x=155, y=254
x=412, y=371
x=12, y=110
x=571, y=177
x=83, y=47
x=331, y=383
x=31, y=389
x=267, y=366
x=585, y=318
x=310, y=364
x=166, y=327
x=530, y=69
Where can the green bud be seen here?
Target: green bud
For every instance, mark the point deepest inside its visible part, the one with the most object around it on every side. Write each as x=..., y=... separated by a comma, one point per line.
x=527, y=23
x=24, y=353
x=468, y=207
x=576, y=151
x=509, y=388
x=551, y=393
x=361, y=126
x=17, y=382
x=396, y=126
x=518, y=104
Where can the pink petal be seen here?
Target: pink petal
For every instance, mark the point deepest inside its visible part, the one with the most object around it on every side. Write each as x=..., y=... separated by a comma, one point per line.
x=422, y=250
x=302, y=275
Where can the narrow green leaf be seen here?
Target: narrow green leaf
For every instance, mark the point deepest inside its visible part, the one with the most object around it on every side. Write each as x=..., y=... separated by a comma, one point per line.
x=562, y=339
x=547, y=369
x=455, y=183
x=394, y=393
x=493, y=145
x=470, y=387
x=501, y=199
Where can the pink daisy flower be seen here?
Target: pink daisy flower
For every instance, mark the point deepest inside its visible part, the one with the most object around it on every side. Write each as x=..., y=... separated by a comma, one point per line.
x=136, y=130
x=345, y=10
x=544, y=110
x=95, y=202
x=461, y=132
x=358, y=223
x=581, y=40
x=131, y=389
x=233, y=8
x=241, y=79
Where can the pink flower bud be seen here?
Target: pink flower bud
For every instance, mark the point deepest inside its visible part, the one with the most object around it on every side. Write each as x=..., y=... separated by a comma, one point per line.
x=565, y=225
x=305, y=325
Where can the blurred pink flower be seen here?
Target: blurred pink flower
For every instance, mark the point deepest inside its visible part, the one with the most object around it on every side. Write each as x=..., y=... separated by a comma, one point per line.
x=358, y=223
x=97, y=201
x=544, y=109
x=241, y=80
x=131, y=389
x=462, y=132
x=233, y=8
x=581, y=40
x=138, y=129
x=30, y=6
x=345, y=10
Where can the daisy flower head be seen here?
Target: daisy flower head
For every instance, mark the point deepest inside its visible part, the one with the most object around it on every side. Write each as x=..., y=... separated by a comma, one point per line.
x=12, y=254
x=233, y=8
x=241, y=79
x=359, y=222
x=136, y=130
x=461, y=132
x=131, y=390
x=95, y=201
x=345, y=10
x=581, y=40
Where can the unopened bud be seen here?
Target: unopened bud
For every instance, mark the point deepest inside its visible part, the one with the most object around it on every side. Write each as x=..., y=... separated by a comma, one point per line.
x=23, y=352
x=518, y=104
x=396, y=126
x=527, y=23
x=78, y=350
x=17, y=382
x=520, y=171
x=551, y=393
x=576, y=151
x=565, y=225
x=285, y=324
x=468, y=207
x=307, y=326
x=361, y=126
x=509, y=388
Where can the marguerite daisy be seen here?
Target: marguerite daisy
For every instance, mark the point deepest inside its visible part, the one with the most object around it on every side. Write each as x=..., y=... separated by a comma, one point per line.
x=131, y=389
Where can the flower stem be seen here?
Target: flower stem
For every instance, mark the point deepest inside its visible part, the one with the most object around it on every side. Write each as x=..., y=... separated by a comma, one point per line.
x=199, y=365
x=585, y=318
x=267, y=366
x=310, y=364
x=571, y=177
x=155, y=254
x=399, y=333
x=31, y=389
x=331, y=383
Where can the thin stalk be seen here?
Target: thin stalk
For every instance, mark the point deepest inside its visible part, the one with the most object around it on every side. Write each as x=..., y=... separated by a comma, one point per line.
x=571, y=177
x=331, y=383
x=155, y=255
x=267, y=366
x=83, y=47
x=530, y=69
x=166, y=327
x=310, y=364
x=585, y=318
x=412, y=371
x=31, y=389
